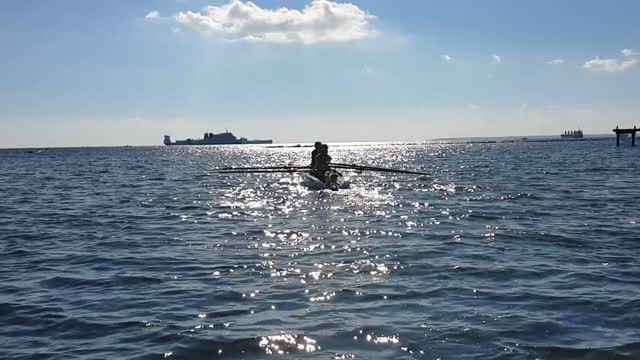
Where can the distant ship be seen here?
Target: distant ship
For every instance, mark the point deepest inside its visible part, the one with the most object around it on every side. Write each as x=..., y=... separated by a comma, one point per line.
x=572, y=134
x=225, y=138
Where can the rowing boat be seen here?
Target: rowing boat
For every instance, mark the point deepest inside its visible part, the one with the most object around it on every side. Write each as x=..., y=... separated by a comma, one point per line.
x=335, y=181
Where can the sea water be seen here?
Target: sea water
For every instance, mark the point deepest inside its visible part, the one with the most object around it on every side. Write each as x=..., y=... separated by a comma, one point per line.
x=505, y=251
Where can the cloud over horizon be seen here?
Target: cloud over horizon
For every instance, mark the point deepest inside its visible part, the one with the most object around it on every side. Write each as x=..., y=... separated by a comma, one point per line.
x=609, y=65
x=629, y=52
x=321, y=21
x=555, y=62
x=152, y=15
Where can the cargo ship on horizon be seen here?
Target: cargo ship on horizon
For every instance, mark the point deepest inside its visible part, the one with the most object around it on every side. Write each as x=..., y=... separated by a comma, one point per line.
x=572, y=134
x=225, y=138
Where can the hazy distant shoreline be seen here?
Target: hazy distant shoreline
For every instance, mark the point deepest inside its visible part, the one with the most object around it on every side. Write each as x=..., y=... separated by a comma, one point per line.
x=474, y=140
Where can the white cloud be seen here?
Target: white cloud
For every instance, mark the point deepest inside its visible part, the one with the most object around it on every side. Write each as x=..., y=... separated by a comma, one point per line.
x=629, y=52
x=555, y=62
x=497, y=59
x=152, y=15
x=609, y=65
x=319, y=21
x=447, y=58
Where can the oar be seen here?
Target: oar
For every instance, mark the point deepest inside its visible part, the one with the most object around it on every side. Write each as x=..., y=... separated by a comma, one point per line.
x=264, y=168
x=373, y=168
x=257, y=171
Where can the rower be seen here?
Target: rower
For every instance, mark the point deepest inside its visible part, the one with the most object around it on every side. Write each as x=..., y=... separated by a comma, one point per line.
x=322, y=162
x=315, y=153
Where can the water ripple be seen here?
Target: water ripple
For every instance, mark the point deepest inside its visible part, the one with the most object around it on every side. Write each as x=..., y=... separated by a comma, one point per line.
x=507, y=251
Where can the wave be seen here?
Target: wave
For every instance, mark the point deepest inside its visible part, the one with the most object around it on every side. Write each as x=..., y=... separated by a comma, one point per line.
x=629, y=351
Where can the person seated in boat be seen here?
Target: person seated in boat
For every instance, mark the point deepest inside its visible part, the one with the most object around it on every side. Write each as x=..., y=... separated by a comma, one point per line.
x=315, y=153
x=322, y=162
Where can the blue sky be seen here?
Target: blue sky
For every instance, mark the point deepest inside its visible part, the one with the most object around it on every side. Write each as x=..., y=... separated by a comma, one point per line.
x=80, y=72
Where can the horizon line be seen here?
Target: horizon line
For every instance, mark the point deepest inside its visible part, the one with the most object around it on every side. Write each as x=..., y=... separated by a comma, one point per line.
x=513, y=137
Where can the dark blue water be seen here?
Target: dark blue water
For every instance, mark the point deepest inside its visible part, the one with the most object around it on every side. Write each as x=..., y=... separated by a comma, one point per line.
x=508, y=251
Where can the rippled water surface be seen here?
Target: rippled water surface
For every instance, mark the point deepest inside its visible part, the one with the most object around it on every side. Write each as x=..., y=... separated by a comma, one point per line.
x=508, y=251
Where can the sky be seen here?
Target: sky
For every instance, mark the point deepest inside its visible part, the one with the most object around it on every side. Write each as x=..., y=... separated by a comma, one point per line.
x=122, y=72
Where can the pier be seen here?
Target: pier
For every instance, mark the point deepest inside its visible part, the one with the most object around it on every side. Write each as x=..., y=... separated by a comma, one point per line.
x=619, y=131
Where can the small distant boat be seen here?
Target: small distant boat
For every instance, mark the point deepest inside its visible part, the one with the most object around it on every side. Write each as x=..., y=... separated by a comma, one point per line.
x=334, y=181
x=572, y=134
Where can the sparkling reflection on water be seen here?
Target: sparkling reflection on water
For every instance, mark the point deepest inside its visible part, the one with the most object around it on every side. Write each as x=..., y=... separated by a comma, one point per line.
x=505, y=251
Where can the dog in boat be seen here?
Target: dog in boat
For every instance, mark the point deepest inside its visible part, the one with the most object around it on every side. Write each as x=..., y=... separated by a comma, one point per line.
x=331, y=178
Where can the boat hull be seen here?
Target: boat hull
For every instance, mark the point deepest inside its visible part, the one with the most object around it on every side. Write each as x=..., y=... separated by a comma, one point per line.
x=314, y=183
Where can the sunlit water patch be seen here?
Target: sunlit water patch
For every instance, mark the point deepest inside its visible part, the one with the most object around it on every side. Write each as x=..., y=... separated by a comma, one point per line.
x=505, y=251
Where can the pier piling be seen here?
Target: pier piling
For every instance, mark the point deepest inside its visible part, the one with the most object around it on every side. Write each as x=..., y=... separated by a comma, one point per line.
x=633, y=132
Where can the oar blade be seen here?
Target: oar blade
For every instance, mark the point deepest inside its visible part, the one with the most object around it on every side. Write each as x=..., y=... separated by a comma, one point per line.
x=379, y=169
x=260, y=171
x=263, y=168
